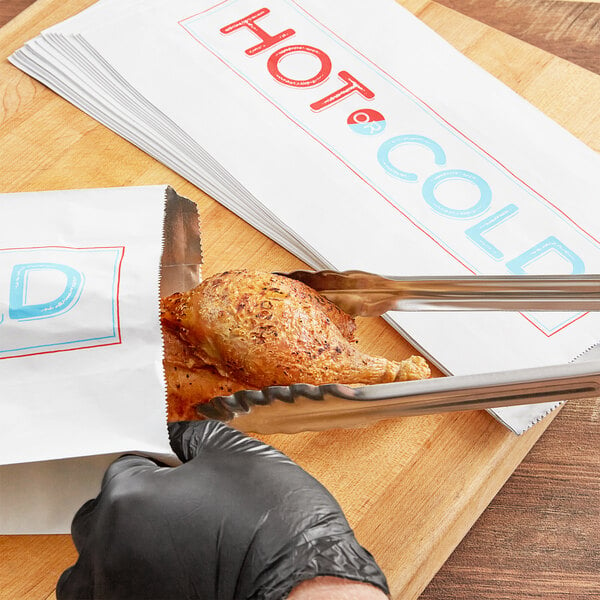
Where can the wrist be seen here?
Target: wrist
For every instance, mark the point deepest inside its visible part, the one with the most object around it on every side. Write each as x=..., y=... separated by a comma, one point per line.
x=335, y=588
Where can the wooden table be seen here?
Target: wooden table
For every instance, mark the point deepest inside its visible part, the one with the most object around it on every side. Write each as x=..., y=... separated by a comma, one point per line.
x=539, y=537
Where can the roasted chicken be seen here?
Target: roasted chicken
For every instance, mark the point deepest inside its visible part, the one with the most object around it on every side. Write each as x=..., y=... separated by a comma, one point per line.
x=248, y=330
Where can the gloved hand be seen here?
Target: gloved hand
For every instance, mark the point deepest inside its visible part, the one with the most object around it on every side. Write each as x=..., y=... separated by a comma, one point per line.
x=238, y=520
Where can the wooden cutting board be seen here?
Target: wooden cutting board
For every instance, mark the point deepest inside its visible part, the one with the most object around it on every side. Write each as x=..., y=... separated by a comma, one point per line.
x=411, y=488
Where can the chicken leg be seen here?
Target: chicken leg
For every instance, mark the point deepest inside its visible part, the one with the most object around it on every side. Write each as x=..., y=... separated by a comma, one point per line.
x=258, y=329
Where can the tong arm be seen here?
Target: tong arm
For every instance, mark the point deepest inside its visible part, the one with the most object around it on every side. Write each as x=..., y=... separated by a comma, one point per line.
x=359, y=293
x=301, y=407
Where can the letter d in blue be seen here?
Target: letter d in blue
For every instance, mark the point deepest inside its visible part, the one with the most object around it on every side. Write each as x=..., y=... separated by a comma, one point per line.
x=19, y=309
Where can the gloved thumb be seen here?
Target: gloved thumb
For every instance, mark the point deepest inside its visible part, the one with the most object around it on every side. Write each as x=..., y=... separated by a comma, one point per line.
x=191, y=438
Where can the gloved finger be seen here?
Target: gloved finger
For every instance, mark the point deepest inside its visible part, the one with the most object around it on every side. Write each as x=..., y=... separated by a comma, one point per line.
x=129, y=463
x=63, y=583
x=81, y=524
x=191, y=438
x=83, y=519
x=75, y=583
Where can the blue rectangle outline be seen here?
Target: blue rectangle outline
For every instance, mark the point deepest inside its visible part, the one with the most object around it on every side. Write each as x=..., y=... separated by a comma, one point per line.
x=118, y=255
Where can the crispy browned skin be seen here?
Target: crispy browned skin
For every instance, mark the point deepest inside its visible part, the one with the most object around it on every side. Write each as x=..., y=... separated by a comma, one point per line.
x=257, y=329
x=188, y=387
x=189, y=380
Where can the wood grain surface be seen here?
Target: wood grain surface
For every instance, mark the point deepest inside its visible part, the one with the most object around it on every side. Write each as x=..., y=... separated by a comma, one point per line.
x=570, y=30
x=539, y=536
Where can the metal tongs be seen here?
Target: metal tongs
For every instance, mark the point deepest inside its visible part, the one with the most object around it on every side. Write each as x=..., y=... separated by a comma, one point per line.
x=299, y=407
x=368, y=295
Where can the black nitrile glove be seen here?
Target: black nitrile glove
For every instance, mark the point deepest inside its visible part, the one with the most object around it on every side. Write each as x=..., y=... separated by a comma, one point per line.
x=238, y=520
